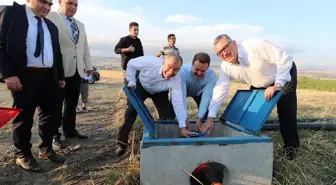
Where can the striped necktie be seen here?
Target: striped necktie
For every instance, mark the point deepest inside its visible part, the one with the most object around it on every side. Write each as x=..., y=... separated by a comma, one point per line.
x=74, y=30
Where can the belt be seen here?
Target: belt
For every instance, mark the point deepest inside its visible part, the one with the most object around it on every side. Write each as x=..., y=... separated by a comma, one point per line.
x=39, y=69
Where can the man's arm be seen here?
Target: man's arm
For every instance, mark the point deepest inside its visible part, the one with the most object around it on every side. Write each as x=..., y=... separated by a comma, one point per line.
x=121, y=47
x=160, y=53
x=87, y=55
x=6, y=66
x=137, y=64
x=142, y=51
x=59, y=63
x=207, y=94
x=178, y=105
x=280, y=58
x=219, y=94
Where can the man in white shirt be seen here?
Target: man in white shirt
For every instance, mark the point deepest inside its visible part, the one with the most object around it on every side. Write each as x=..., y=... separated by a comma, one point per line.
x=156, y=77
x=262, y=65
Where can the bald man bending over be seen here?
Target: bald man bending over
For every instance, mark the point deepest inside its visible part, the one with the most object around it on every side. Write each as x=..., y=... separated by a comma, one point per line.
x=156, y=77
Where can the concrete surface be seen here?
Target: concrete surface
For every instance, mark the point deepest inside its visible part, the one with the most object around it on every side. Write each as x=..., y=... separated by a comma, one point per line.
x=249, y=163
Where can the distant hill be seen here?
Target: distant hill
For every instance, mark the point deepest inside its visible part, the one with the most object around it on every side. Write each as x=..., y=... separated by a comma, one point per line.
x=113, y=63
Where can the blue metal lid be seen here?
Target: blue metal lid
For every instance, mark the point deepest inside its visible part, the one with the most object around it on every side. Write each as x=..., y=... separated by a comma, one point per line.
x=141, y=109
x=249, y=109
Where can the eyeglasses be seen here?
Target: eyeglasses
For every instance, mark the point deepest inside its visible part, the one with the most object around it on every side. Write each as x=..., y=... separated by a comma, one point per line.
x=225, y=48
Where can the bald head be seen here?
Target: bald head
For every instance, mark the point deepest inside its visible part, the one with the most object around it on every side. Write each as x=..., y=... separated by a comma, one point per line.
x=171, y=65
x=68, y=7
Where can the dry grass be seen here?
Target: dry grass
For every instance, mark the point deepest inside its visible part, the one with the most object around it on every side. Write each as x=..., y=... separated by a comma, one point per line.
x=96, y=163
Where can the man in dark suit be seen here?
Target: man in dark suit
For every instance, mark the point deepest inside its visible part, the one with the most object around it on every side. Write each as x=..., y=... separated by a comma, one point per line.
x=31, y=67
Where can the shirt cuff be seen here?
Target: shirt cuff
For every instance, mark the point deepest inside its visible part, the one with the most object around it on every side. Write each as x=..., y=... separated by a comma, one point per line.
x=212, y=114
x=182, y=124
x=281, y=82
x=131, y=83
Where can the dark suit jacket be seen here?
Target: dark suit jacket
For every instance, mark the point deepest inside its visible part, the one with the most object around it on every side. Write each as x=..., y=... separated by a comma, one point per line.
x=13, y=34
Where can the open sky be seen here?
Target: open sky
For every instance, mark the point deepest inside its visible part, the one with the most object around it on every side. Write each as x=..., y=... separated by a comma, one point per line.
x=306, y=28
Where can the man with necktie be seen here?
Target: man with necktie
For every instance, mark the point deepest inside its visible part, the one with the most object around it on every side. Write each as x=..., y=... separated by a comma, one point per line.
x=76, y=62
x=31, y=67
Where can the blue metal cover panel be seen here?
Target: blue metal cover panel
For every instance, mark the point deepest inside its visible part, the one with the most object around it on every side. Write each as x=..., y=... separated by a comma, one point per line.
x=249, y=109
x=141, y=109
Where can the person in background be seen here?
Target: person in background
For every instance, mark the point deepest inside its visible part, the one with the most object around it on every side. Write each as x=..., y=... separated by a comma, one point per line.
x=198, y=81
x=261, y=65
x=76, y=62
x=170, y=48
x=31, y=67
x=155, y=78
x=129, y=47
x=84, y=89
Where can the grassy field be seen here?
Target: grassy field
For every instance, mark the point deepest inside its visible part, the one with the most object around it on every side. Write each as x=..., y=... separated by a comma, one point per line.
x=316, y=162
x=96, y=163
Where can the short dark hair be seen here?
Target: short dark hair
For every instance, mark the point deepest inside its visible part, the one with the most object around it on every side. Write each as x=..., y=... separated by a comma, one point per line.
x=202, y=57
x=133, y=24
x=170, y=36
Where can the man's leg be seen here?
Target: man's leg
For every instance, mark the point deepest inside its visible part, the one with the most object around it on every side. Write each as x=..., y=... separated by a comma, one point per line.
x=70, y=104
x=130, y=117
x=57, y=143
x=84, y=88
x=198, y=100
x=287, y=114
x=163, y=105
x=48, y=115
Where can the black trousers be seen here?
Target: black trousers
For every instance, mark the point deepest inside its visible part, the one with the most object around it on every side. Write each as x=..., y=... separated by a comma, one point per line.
x=39, y=91
x=68, y=97
x=161, y=103
x=287, y=111
x=198, y=100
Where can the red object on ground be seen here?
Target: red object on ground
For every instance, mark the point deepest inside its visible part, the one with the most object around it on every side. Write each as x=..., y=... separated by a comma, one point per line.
x=6, y=114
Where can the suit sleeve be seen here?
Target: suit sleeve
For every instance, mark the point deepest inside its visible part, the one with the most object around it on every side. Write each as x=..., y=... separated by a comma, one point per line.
x=59, y=63
x=119, y=46
x=87, y=55
x=6, y=65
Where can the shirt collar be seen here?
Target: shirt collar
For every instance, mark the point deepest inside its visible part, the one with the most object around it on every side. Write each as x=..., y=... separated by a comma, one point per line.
x=242, y=56
x=29, y=11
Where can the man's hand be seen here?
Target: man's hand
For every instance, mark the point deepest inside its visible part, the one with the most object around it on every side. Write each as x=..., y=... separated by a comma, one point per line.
x=269, y=92
x=131, y=48
x=187, y=124
x=90, y=72
x=207, y=126
x=13, y=83
x=198, y=124
x=185, y=132
x=62, y=84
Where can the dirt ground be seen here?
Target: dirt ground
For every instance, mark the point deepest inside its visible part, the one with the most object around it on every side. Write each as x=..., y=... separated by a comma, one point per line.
x=94, y=162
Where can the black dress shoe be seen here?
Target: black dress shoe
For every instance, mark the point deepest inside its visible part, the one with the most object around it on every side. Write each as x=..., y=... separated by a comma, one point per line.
x=29, y=164
x=57, y=144
x=75, y=134
x=121, y=148
x=290, y=153
x=52, y=156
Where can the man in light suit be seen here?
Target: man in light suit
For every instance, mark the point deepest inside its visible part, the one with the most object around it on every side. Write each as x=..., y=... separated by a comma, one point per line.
x=76, y=58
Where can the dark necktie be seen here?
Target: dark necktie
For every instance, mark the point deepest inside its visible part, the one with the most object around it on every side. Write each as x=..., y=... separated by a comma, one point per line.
x=74, y=30
x=40, y=40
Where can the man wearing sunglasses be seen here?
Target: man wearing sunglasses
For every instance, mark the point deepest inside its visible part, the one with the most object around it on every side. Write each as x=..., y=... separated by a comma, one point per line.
x=261, y=65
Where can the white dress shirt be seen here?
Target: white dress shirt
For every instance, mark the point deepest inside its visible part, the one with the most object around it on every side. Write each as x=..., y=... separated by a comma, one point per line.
x=260, y=64
x=151, y=79
x=32, y=61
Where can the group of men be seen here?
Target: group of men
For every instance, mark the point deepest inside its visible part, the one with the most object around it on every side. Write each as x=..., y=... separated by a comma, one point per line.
x=43, y=58
x=255, y=62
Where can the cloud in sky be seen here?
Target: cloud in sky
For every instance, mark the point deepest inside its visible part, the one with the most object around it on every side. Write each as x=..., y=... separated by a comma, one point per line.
x=184, y=19
x=105, y=26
